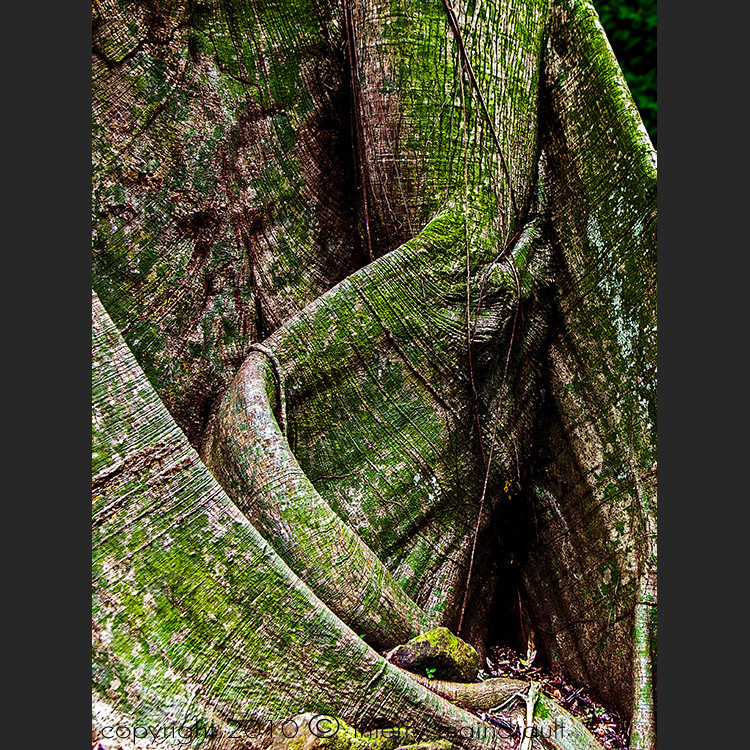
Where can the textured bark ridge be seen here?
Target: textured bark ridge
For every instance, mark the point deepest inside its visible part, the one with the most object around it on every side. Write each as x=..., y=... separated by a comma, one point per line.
x=439, y=220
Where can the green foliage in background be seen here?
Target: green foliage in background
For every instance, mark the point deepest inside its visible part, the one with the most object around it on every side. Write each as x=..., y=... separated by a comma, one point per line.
x=631, y=28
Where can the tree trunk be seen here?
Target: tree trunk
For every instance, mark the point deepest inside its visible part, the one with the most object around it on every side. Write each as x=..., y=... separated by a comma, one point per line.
x=440, y=223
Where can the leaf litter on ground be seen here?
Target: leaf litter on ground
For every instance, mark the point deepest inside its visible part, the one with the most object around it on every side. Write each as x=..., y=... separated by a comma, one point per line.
x=606, y=724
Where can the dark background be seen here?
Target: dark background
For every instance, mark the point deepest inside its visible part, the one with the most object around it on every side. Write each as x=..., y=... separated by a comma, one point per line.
x=631, y=28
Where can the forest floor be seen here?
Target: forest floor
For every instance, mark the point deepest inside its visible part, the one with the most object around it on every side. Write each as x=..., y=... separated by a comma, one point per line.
x=605, y=724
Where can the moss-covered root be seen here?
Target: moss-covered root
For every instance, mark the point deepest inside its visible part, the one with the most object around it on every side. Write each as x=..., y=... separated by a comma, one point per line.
x=556, y=729
x=481, y=696
x=251, y=458
x=310, y=731
x=315, y=732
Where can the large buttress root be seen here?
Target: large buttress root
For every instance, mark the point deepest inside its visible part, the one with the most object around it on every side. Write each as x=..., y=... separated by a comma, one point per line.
x=200, y=626
x=250, y=457
x=198, y=622
x=388, y=454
